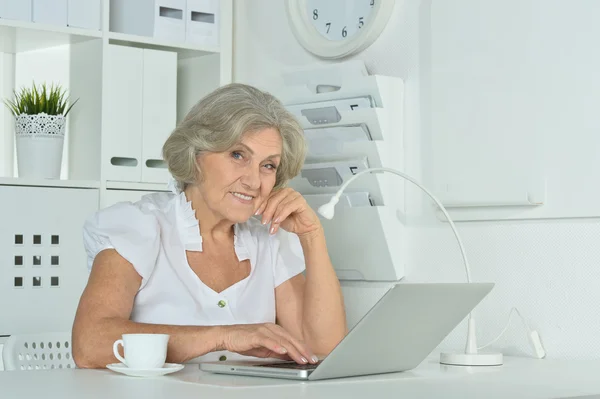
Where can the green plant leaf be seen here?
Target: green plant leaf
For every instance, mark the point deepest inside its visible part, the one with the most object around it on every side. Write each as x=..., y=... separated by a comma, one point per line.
x=52, y=100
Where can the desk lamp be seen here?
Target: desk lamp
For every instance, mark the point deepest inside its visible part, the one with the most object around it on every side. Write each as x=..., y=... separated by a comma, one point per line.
x=471, y=356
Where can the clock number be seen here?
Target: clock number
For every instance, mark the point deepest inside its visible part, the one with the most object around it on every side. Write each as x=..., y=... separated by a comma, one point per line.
x=315, y=14
x=361, y=22
x=328, y=24
x=372, y=3
x=344, y=32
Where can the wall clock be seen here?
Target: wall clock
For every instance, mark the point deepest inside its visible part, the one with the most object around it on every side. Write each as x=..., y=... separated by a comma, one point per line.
x=338, y=28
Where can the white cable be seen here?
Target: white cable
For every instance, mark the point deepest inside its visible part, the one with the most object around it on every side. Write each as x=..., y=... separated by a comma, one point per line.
x=533, y=336
x=327, y=211
x=504, y=329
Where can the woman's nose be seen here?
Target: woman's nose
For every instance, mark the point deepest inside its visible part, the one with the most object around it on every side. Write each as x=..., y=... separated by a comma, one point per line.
x=251, y=179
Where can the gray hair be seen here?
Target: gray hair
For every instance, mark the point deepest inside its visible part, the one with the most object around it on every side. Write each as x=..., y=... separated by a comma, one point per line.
x=218, y=122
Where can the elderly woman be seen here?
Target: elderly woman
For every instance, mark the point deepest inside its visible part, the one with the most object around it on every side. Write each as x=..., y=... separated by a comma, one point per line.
x=218, y=263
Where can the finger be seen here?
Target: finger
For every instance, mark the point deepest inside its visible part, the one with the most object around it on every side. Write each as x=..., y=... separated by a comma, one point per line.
x=280, y=345
x=284, y=210
x=261, y=208
x=293, y=201
x=274, y=337
x=272, y=204
x=299, y=346
x=264, y=204
x=264, y=342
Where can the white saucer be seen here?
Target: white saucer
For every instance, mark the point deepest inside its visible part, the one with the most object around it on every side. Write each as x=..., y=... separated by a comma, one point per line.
x=168, y=368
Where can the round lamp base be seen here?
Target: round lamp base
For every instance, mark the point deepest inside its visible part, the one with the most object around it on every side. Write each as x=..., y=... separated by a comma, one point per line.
x=475, y=359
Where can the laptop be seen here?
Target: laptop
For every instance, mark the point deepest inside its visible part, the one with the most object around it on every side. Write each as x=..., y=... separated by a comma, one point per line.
x=397, y=334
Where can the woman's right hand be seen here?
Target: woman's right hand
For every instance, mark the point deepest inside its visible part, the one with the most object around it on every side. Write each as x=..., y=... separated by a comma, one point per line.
x=266, y=340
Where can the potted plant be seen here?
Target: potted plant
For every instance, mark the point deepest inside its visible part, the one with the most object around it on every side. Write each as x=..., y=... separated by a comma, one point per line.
x=40, y=121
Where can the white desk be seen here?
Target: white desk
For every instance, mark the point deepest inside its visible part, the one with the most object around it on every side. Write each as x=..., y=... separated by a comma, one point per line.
x=517, y=378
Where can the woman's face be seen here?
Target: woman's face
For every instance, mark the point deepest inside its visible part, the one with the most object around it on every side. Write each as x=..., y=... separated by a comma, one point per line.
x=234, y=183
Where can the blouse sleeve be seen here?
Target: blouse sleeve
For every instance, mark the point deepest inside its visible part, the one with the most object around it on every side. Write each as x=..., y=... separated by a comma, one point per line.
x=288, y=256
x=131, y=231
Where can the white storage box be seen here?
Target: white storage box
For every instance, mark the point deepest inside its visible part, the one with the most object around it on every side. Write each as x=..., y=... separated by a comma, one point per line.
x=122, y=119
x=164, y=19
x=202, y=22
x=85, y=14
x=159, y=111
x=52, y=12
x=141, y=88
x=16, y=9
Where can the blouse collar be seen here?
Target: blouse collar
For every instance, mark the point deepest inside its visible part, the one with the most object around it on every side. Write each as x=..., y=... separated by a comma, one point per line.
x=189, y=227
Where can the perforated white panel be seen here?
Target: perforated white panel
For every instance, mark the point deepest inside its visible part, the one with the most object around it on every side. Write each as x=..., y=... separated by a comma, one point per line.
x=45, y=351
x=42, y=260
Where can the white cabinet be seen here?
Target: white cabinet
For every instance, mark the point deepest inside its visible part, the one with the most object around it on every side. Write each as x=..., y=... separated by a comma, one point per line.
x=129, y=97
x=202, y=22
x=84, y=14
x=52, y=12
x=130, y=91
x=162, y=19
x=19, y=10
x=140, y=113
x=43, y=260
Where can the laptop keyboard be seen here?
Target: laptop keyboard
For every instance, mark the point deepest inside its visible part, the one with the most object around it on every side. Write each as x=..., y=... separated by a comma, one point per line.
x=291, y=365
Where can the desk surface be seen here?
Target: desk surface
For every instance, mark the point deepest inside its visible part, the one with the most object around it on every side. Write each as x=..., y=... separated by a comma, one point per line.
x=518, y=377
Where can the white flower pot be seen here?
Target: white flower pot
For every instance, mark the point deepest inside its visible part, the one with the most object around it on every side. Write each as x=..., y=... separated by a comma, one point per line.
x=40, y=141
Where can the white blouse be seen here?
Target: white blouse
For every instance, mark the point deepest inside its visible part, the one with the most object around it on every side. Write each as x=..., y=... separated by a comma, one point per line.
x=154, y=234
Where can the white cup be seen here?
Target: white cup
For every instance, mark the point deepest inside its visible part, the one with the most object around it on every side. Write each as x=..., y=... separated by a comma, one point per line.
x=142, y=351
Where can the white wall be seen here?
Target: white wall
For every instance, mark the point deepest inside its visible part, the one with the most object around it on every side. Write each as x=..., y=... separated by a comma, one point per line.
x=513, y=87
x=485, y=83
x=518, y=82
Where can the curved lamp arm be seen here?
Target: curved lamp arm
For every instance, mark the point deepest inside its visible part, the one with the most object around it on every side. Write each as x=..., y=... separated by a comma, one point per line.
x=327, y=210
x=470, y=357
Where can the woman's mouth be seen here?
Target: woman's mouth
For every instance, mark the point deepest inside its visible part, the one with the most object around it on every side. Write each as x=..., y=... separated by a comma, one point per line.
x=243, y=197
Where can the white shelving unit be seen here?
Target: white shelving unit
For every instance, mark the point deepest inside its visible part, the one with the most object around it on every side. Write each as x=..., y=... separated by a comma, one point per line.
x=185, y=50
x=11, y=181
x=22, y=36
x=353, y=121
x=176, y=75
x=80, y=60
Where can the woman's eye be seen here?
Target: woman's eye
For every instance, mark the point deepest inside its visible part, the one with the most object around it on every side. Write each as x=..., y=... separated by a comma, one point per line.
x=236, y=155
x=271, y=166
